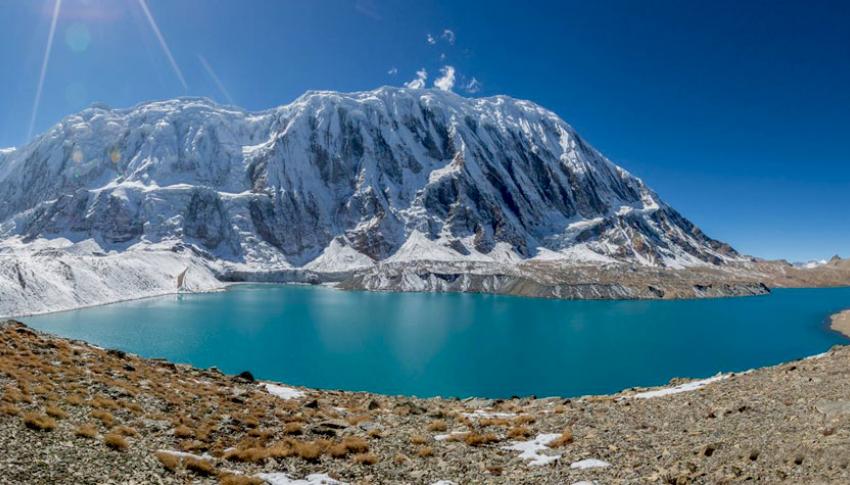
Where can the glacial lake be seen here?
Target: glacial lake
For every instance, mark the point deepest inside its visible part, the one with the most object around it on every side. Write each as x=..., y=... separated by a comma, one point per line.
x=460, y=344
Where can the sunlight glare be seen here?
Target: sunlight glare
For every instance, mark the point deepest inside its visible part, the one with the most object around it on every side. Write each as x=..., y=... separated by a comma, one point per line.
x=163, y=44
x=44, y=62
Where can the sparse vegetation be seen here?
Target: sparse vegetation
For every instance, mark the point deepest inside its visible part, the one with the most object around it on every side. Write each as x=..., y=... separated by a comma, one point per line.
x=86, y=431
x=365, y=459
x=199, y=466
x=39, y=422
x=438, y=426
x=563, y=440
x=116, y=442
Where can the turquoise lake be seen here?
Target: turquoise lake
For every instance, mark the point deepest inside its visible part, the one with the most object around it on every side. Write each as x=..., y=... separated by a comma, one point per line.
x=460, y=344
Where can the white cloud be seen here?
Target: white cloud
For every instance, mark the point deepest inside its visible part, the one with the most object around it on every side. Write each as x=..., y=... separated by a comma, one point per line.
x=473, y=86
x=447, y=81
x=443, y=56
x=431, y=40
x=419, y=82
x=449, y=35
x=393, y=71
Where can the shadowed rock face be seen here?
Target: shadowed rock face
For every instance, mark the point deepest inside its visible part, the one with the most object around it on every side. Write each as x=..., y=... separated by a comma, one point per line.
x=368, y=168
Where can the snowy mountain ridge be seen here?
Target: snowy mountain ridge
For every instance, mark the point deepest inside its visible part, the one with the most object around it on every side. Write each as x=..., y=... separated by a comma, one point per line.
x=340, y=182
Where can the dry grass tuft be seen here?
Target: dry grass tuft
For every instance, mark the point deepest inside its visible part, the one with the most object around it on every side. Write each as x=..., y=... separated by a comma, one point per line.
x=199, y=467
x=355, y=444
x=124, y=431
x=563, y=440
x=365, y=459
x=104, y=417
x=10, y=409
x=293, y=428
x=86, y=431
x=116, y=442
x=74, y=400
x=168, y=460
x=231, y=479
x=39, y=422
x=425, y=452
x=56, y=412
x=518, y=432
x=494, y=422
x=478, y=439
x=418, y=440
x=308, y=450
x=524, y=419
x=184, y=431
x=438, y=426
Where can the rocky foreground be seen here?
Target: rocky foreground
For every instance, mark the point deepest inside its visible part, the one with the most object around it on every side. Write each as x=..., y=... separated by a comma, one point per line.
x=74, y=413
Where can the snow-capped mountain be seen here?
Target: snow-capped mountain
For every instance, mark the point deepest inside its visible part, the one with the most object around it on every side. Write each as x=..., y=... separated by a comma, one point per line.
x=340, y=181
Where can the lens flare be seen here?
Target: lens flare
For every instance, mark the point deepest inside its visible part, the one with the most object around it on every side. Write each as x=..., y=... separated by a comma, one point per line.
x=77, y=37
x=215, y=79
x=163, y=44
x=47, y=49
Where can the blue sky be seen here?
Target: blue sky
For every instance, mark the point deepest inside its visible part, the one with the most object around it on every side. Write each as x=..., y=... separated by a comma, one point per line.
x=736, y=113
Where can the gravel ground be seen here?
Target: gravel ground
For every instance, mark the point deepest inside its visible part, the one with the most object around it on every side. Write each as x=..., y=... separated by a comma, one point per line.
x=77, y=414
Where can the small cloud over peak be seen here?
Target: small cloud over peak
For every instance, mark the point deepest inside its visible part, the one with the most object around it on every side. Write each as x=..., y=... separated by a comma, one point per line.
x=419, y=82
x=446, y=82
x=430, y=39
x=449, y=36
x=392, y=71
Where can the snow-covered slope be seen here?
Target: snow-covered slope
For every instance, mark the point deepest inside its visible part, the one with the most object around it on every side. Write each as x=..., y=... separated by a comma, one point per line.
x=334, y=182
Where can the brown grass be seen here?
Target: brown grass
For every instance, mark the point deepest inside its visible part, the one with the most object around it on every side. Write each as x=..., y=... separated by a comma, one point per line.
x=308, y=450
x=438, y=426
x=124, y=431
x=478, y=439
x=293, y=428
x=494, y=422
x=519, y=432
x=425, y=452
x=355, y=420
x=231, y=479
x=10, y=409
x=74, y=400
x=418, y=440
x=338, y=451
x=116, y=442
x=104, y=417
x=39, y=422
x=524, y=419
x=563, y=440
x=355, y=444
x=86, y=431
x=169, y=461
x=184, y=431
x=365, y=459
x=199, y=467
x=56, y=412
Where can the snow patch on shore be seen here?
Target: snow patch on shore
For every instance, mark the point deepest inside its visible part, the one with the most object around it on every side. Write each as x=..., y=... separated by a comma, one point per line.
x=285, y=479
x=533, y=450
x=283, y=392
x=686, y=387
x=589, y=463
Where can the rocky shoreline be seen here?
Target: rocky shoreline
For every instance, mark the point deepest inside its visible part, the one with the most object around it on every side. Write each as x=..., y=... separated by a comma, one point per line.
x=74, y=413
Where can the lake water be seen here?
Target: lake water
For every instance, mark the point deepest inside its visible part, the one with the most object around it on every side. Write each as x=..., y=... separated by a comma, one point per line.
x=460, y=344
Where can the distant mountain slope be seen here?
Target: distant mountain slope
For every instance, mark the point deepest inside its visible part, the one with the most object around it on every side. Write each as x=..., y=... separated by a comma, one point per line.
x=336, y=182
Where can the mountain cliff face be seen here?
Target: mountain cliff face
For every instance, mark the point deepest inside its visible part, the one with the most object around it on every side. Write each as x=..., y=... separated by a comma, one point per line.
x=336, y=182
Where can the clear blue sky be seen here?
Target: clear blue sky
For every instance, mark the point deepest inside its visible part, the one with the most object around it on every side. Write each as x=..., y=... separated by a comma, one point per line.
x=736, y=113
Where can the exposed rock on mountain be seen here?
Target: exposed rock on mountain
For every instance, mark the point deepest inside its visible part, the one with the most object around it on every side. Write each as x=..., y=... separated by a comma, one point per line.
x=369, y=188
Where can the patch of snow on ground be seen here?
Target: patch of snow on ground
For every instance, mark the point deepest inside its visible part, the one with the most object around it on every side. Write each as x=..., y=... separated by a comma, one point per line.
x=285, y=479
x=183, y=454
x=533, y=450
x=283, y=392
x=480, y=413
x=444, y=482
x=589, y=463
x=444, y=437
x=687, y=387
